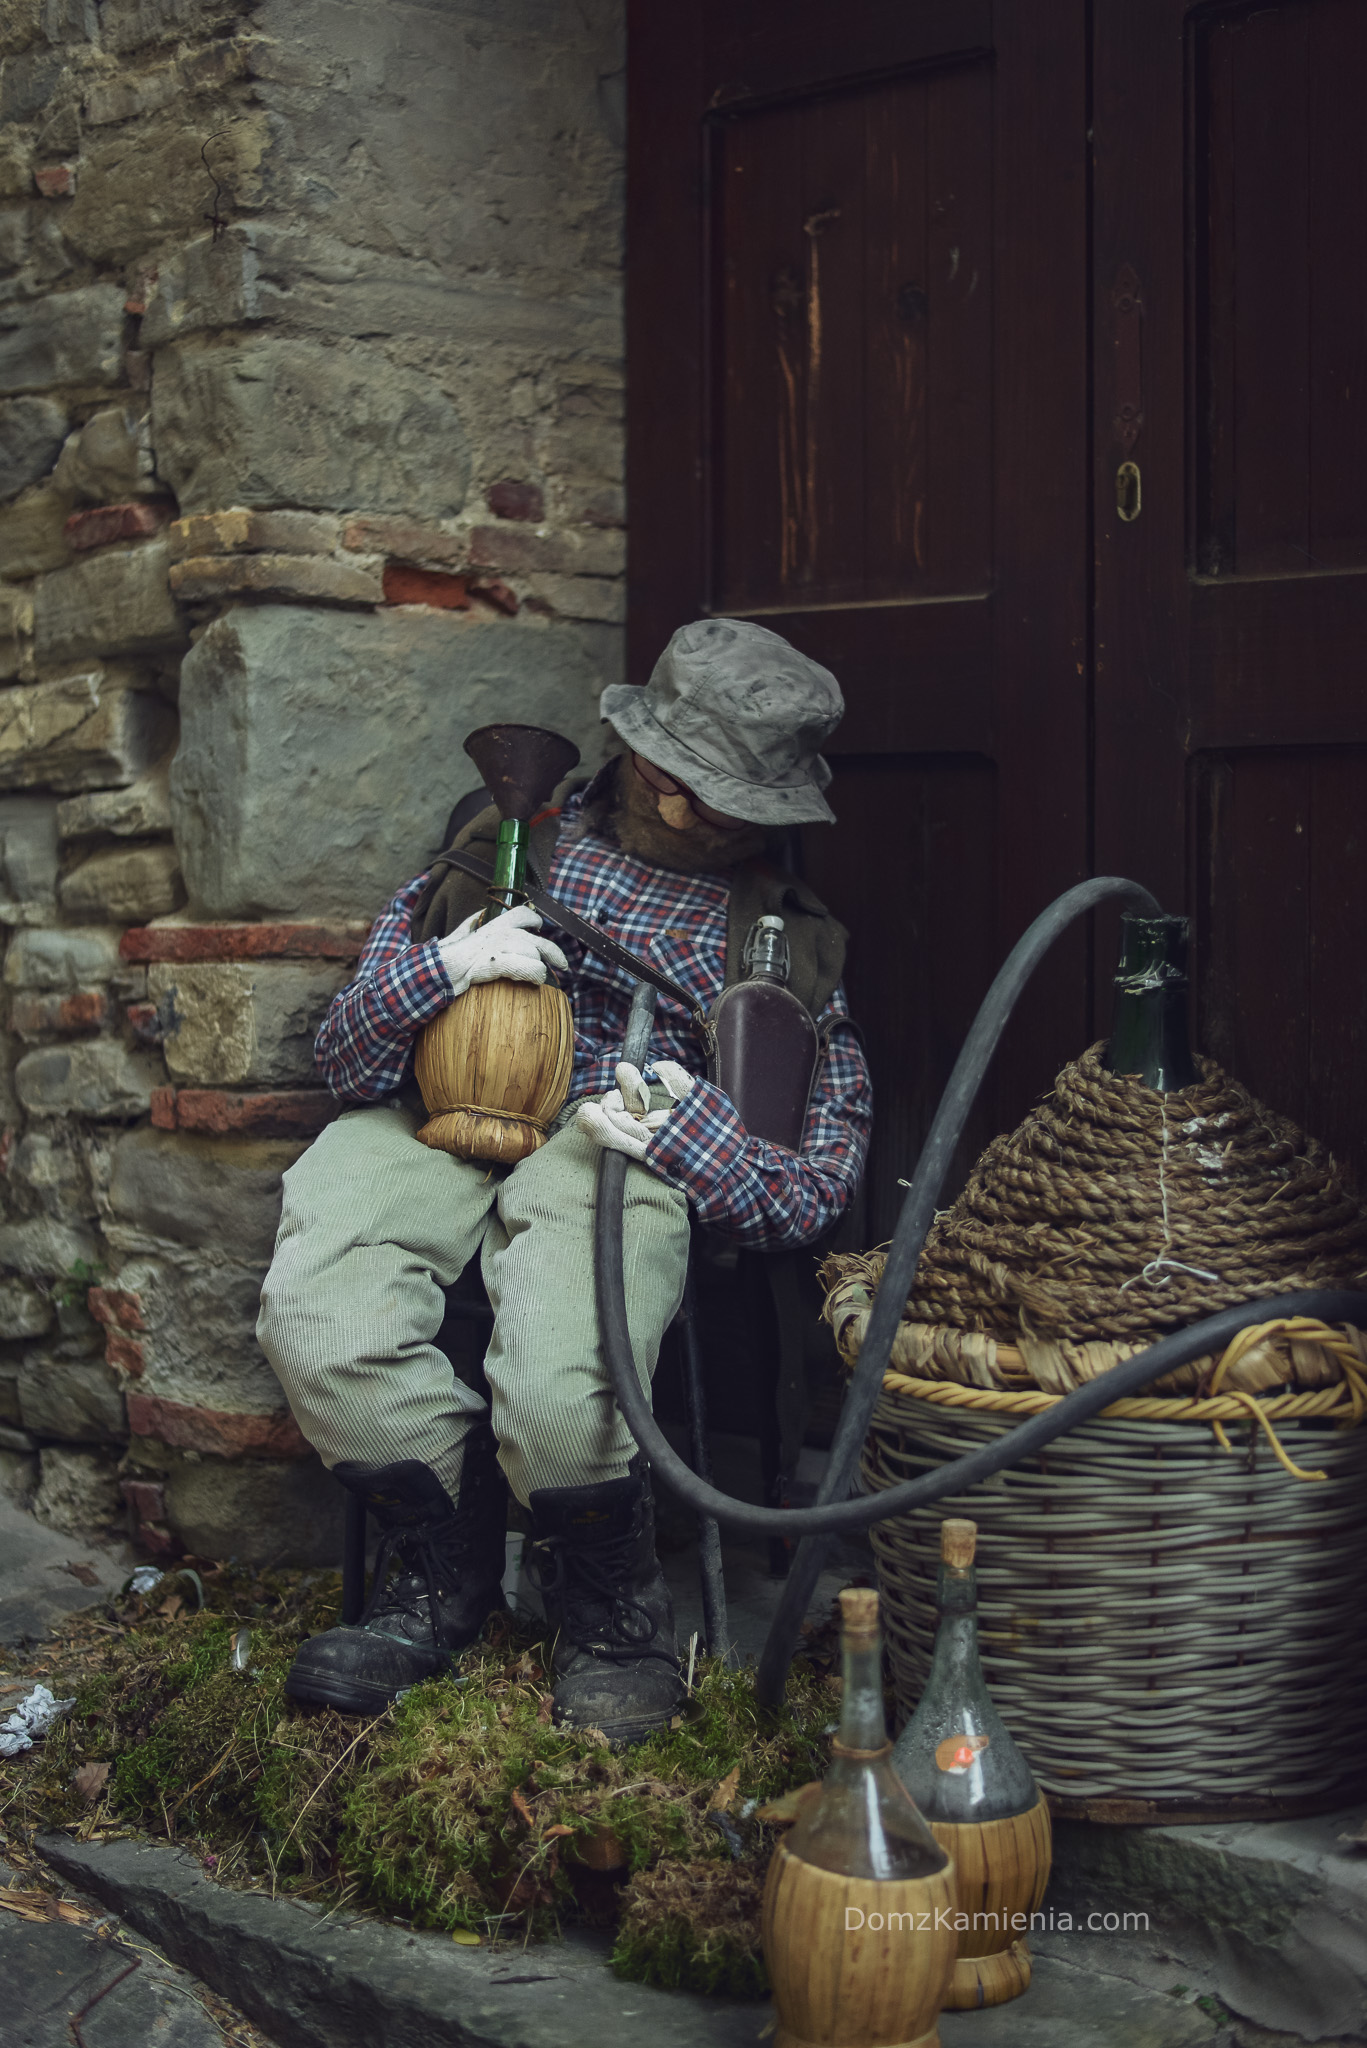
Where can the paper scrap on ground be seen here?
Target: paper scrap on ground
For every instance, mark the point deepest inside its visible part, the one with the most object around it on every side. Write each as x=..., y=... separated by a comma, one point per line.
x=32, y=1717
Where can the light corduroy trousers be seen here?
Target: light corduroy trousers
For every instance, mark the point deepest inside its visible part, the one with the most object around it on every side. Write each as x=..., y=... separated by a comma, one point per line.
x=375, y=1225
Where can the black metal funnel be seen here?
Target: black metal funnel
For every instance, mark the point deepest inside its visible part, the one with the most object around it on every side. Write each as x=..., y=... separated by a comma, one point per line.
x=521, y=765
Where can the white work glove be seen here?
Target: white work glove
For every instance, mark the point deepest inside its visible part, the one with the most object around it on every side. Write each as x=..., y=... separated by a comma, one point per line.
x=624, y=1120
x=508, y=949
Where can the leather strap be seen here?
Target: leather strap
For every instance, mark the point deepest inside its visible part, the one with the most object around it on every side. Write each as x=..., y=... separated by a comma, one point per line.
x=594, y=937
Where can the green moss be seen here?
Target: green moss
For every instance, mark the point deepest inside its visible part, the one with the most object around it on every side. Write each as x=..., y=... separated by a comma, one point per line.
x=461, y=1807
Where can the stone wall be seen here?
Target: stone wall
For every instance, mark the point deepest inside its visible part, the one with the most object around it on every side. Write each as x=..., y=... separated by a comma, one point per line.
x=310, y=461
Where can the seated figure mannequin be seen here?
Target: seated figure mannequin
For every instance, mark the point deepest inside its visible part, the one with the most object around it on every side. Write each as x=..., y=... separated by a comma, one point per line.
x=664, y=848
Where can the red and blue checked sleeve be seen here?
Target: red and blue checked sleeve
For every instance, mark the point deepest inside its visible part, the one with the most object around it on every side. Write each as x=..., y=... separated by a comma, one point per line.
x=756, y=1193
x=365, y=1042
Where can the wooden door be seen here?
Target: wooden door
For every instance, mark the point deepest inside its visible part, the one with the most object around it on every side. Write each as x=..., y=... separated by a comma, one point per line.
x=857, y=346
x=1231, y=371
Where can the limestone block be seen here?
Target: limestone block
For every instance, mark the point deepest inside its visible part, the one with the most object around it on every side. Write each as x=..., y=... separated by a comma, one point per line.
x=18, y=1476
x=219, y=1193
x=128, y=94
x=31, y=435
x=145, y=185
x=108, y=459
x=78, y=1491
x=127, y=883
x=71, y=21
x=198, y=1342
x=264, y=1512
x=75, y=1399
x=81, y=732
x=25, y=1311
x=217, y=578
x=581, y=597
x=241, y=530
x=63, y=961
x=114, y=603
x=139, y=811
x=134, y=24
x=95, y=1078
x=33, y=532
x=28, y=859
x=243, y=1021
x=16, y=632
x=321, y=751
x=14, y=229
x=562, y=551
x=50, y=1165
x=41, y=1248
x=16, y=177
x=257, y=424
x=73, y=337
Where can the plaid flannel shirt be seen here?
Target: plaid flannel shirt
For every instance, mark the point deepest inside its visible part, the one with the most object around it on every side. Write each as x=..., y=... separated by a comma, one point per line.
x=755, y=1193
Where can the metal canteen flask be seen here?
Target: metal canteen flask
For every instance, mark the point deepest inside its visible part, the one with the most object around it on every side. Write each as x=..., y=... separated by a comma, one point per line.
x=767, y=1043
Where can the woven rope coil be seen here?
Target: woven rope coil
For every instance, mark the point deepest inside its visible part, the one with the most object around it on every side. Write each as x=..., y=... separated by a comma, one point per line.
x=1159, y=1621
x=1112, y=1215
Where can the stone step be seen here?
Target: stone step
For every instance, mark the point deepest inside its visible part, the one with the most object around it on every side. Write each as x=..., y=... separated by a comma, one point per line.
x=1267, y=1919
x=312, y=1979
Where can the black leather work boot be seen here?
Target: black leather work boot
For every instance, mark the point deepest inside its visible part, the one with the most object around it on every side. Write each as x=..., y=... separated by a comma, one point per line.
x=616, y=1664
x=449, y=1560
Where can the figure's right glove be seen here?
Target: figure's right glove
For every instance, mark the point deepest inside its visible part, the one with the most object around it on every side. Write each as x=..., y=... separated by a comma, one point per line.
x=507, y=949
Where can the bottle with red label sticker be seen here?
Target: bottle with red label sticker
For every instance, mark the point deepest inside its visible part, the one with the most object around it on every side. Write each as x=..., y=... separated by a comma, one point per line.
x=967, y=1775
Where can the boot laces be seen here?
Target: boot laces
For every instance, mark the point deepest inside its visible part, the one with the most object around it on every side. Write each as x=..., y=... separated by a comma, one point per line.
x=598, y=1616
x=423, y=1554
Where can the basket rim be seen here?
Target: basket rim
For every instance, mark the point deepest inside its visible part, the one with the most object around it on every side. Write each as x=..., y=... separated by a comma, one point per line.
x=1333, y=1404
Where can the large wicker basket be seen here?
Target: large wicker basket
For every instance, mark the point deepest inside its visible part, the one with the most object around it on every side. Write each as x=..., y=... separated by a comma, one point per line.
x=1171, y=1629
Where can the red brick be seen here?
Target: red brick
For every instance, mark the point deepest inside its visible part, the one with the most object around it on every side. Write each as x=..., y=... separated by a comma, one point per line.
x=146, y=1497
x=279, y=1113
x=513, y=499
x=86, y=1010
x=406, y=585
x=125, y=1354
x=164, y=1108
x=404, y=541
x=212, y=1430
x=101, y=524
x=493, y=592
x=56, y=181
x=185, y=942
x=118, y=1308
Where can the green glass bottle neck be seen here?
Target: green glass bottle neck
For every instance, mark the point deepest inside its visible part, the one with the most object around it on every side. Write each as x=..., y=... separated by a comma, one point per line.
x=1150, y=1031
x=510, y=867
x=956, y=1665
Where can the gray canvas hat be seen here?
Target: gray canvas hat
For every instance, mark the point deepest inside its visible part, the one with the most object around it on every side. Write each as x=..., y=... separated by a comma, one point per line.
x=736, y=713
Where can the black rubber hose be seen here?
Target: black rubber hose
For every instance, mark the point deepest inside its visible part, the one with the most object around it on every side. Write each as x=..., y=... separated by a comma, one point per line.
x=833, y=1512
x=904, y=1252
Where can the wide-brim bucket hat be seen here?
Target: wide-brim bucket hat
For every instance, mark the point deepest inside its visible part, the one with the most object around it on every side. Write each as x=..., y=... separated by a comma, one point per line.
x=739, y=715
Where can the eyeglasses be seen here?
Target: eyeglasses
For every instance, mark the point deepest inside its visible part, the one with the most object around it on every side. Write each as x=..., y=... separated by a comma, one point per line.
x=665, y=785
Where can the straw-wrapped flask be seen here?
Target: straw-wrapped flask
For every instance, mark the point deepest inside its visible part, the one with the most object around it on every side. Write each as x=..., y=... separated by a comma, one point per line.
x=494, y=1067
x=858, y=1916
x=968, y=1777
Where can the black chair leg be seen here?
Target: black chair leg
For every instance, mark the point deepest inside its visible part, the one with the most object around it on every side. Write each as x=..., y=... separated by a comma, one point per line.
x=353, y=1560
x=716, y=1626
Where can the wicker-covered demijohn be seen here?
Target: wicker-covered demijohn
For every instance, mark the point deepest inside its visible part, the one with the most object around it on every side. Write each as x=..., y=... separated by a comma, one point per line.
x=1169, y=1595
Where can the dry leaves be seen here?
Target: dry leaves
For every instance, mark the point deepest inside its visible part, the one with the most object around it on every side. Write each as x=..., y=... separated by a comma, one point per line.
x=90, y=1781
x=84, y=1572
x=725, y=1792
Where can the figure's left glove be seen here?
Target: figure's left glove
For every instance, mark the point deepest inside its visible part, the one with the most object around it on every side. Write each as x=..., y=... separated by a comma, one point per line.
x=624, y=1120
